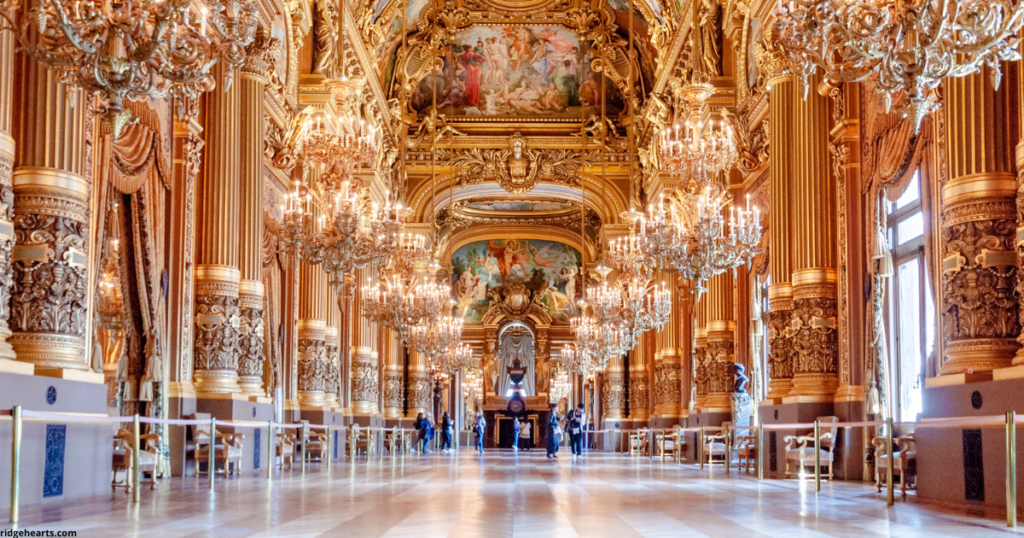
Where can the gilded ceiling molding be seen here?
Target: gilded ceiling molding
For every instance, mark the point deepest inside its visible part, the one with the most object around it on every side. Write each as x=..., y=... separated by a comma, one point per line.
x=603, y=197
x=379, y=100
x=487, y=232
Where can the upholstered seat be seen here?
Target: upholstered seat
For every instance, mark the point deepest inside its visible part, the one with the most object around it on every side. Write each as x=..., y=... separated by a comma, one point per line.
x=638, y=441
x=746, y=450
x=286, y=449
x=800, y=448
x=227, y=451
x=122, y=458
x=905, y=459
x=716, y=446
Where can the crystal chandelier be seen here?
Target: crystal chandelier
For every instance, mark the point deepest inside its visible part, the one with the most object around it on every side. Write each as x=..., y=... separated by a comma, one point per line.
x=455, y=359
x=127, y=49
x=396, y=300
x=343, y=237
x=436, y=336
x=560, y=386
x=687, y=231
x=904, y=47
x=632, y=302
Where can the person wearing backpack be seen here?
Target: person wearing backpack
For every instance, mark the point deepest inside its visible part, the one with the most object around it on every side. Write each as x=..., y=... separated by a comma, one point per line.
x=428, y=429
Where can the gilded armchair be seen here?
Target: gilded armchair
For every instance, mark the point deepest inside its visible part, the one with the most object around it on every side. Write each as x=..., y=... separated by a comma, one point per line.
x=905, y=458
x=800, y=448
x=286, y=449
x=717, y=446
x=149, y=456
x=227, y=451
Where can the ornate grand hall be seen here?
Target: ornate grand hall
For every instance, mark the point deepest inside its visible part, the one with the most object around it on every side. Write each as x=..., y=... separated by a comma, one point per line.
x=511, y=267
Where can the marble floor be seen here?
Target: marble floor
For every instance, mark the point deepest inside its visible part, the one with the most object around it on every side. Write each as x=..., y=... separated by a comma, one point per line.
x=505, y=494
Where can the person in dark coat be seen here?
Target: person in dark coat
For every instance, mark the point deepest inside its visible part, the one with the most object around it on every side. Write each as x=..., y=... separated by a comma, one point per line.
x=553, y=432
x=576, y=431
x=420, y=432
x=428, y=428
x=446, y=432
x=478, y=429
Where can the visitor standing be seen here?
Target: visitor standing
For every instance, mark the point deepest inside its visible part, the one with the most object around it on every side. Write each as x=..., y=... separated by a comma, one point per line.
x=418, y=424
x=516, y=426
x=576, y=420
x=428, y=428
x=527, y=435
x=446, y=432
x=553, y=432
x=478, y=429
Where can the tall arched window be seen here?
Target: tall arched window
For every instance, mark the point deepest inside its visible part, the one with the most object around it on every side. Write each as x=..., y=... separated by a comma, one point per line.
x=910, y=311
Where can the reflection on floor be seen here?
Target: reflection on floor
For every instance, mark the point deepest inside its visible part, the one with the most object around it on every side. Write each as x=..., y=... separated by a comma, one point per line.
x=504, y=494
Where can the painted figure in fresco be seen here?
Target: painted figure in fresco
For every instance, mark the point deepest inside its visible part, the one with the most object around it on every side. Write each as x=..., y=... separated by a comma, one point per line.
x=472, y=62
x=497, y=61
x=590, y=91
x=507, y=255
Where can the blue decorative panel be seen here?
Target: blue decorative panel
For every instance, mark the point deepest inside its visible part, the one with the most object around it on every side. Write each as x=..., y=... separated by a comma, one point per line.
x=53, y=476
x=256, y=448
x=334, y=444
x=974, y=472
x=51, y=395
x=773, y=452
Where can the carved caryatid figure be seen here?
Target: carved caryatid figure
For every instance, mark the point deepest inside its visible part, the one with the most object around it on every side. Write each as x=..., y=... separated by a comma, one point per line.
x=328, y=61
x=711, y=53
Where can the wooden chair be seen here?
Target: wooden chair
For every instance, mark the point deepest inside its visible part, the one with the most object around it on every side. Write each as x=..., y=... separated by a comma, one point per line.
x=314, y=447
x=905, y=459
x=717, y=446
x=123, y=452
x=670, y=442
x=638, y=441
x=746, y=449
x=227, y=451
x=286, y=449
x=361, y=439
x=396, y=440
x=800, y=448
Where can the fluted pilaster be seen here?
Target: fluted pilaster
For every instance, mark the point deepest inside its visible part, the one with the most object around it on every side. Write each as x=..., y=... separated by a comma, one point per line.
x=394, y=378
x=421, y=387
x=700, y=346
x=312, y=326
x=217, y=276
x=255, y=74
x=49, y=296
x=364, y=373
x=721, y=335
x=613, y=390
x=7, y=156
x=639, y=379
x=780, y=238
x=814, y=335
x=979, y=310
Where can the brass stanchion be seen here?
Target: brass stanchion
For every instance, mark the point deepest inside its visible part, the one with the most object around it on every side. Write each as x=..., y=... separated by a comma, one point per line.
x=270, y=449
x=15, y=462
x=328, y=447
x=700, y=448
x=817, y=455
x=888, y=467
x=760, y=452
x=136, y=490
x=211, y=463
x=1011, y=470
x=727, y=441
x=302, y=433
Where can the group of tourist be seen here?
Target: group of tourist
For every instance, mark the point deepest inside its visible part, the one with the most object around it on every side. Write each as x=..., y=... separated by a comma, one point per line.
x=572, y=424
x=425, y=432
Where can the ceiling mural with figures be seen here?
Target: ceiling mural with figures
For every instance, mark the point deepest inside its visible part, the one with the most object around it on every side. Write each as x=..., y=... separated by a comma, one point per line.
x=549, y=269
x=516, y=70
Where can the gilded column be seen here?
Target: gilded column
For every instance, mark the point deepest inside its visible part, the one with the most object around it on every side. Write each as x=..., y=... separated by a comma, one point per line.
x=394, y=379
x=781, y=98
x=814, y=336
x=332, y=384
x=613, y=397
x=979, y=310
x=217, y=277
x=700, y=347
x=668, y=368
x=312, y=328
x=720, y=352
x=259, y=64
x=364, y=357
x=7, y=156
x=421, y=387
x=639, y=379
x=49, y=297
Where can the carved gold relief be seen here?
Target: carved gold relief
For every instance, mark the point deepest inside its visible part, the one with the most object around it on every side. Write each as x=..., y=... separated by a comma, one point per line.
x=519, y=168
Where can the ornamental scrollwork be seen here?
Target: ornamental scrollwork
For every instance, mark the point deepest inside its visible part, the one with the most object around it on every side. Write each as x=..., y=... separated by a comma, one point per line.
x=364, y=379
x=613, y=395
x=313, y=368
x=519, y=168
x=815, y=340
x=393, y=390
x=250, y=342
x=216, y=338
x=780, y=344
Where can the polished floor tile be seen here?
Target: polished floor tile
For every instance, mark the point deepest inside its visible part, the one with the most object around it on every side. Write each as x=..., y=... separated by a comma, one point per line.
x=504, y=494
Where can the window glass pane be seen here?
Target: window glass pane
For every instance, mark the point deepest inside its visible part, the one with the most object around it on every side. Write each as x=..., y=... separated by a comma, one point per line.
x=911, y=195
x=909, y=353
x=910, y=228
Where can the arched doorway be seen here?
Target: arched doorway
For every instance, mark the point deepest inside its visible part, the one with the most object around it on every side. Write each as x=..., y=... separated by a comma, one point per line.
x=516, y=341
